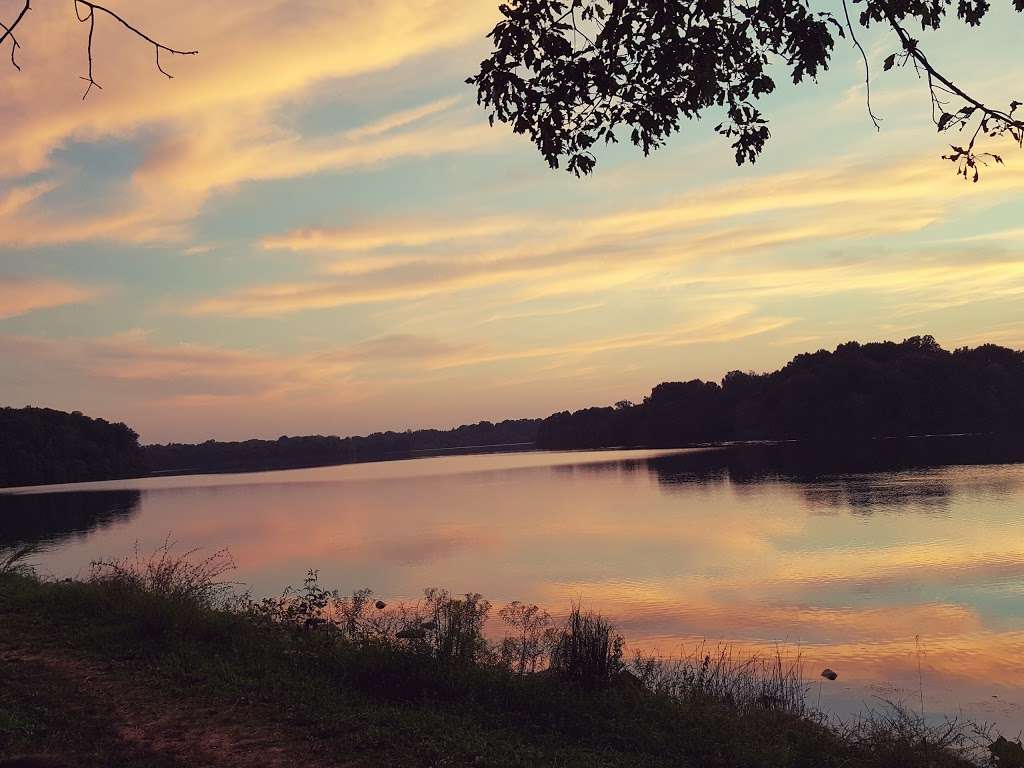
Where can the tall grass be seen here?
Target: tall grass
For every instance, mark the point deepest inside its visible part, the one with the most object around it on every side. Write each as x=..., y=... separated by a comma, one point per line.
x=16, y=560
x=170, y=575
x=587, y=649
x=774, y=682
x=894, y=734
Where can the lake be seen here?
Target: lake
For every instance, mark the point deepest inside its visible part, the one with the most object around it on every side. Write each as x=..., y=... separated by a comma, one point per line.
x=899, y=564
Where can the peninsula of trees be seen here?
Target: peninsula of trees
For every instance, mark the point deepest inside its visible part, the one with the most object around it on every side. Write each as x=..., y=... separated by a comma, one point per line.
x=883, y=389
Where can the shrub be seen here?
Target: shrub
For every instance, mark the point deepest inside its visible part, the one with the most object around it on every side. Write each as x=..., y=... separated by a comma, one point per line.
x=588, y=649
x=523, y=652
x=455, y=627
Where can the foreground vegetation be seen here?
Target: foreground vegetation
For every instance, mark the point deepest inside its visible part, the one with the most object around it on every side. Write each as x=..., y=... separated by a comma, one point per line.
x=355, y=681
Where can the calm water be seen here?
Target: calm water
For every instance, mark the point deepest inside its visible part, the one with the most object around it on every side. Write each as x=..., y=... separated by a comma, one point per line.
x=870, y=563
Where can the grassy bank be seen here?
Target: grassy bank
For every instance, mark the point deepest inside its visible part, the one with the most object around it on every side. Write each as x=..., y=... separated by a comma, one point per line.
x=346, y=680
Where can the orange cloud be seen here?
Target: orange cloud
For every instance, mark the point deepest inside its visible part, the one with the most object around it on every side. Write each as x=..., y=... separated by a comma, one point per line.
x=367, y=237
x=230, y=110
x=19, y=296
x=177, y=176
x=713, y=234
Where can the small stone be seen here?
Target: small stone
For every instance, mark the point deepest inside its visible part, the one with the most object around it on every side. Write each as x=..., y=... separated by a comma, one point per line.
x=381, y=605
x=828, y=674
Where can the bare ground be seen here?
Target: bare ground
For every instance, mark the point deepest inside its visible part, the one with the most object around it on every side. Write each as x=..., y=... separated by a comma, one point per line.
x=90, y=713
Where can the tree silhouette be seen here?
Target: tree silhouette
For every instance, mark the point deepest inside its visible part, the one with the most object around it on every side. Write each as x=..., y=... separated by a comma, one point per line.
x=572, y=74
x=879, y=389
x=86, y=12
x=41, y=445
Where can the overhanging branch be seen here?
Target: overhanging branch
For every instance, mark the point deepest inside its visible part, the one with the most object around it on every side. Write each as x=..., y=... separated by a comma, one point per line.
x=86, y=12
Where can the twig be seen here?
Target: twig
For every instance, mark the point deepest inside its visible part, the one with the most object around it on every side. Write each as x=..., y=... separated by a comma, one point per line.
x=89, y=15
x=9, y=32
x=912, y=49
x=920, y=677
x=15, y=45
x=867, y=68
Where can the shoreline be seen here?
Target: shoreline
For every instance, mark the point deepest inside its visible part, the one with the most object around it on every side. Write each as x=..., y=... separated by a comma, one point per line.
x=159, y=648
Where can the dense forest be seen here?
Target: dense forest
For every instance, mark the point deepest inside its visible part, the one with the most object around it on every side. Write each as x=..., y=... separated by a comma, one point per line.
x=41, y=445
x=317, y=450
x=858, y=391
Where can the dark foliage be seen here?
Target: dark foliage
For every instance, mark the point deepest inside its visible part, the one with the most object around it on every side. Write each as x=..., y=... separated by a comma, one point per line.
x=41, y=445
x=588, y=649
x=319, y=450
x=858, y=391
x=574, y=74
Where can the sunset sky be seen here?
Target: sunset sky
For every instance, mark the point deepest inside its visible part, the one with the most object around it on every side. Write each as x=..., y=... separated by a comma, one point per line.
x=312, y=229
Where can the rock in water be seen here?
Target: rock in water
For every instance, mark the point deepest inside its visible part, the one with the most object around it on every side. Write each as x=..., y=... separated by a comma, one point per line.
x=828, y=674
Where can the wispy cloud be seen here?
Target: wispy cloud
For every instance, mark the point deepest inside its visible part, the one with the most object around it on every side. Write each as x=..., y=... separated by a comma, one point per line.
x=178, y=175
x=715, y=235
x=19, y=296
x=230, y=115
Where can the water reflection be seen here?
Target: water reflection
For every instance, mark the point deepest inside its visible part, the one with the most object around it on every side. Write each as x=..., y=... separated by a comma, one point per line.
x=863, y=476
x=852, y=554
x=52, y=518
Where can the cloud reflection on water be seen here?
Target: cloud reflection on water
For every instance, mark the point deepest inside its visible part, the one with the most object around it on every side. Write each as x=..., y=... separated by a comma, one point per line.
x=748, y=545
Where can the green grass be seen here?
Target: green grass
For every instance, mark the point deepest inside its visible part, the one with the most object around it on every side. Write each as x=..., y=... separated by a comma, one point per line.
x=333, y=673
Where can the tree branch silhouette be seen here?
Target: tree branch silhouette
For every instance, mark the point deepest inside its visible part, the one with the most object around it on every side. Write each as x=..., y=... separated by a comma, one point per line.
x=9, y=32
x=86, y=12
x=649, y=67
x=867, y=68
x=89, y=15
x=993, y=122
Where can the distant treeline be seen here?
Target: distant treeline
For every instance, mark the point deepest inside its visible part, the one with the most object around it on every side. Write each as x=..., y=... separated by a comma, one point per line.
x=859, y=391
x=41, y=445
x=317, y=450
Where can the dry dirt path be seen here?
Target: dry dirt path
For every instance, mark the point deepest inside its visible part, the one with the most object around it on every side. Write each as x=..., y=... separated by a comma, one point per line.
x=88, y=713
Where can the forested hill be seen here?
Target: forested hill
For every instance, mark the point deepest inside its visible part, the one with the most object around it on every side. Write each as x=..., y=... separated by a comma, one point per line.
x=318, y=450
x=858, y=391
x=41, y=445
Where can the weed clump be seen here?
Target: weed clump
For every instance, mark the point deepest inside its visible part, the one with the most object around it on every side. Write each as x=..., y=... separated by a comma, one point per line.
x=587, y=649
x=718, y=674
x=175, y=577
